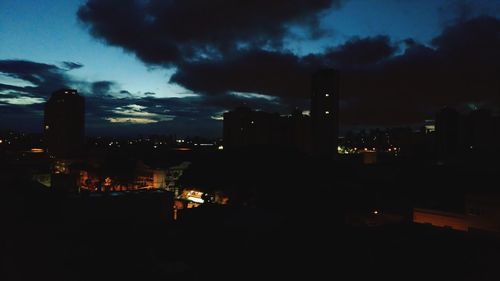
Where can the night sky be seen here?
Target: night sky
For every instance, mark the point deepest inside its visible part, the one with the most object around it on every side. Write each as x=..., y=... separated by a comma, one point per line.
x=173, y=67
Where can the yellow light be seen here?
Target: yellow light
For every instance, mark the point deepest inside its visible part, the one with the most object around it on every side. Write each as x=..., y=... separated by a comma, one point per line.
x=194, y=199
x=37, y=150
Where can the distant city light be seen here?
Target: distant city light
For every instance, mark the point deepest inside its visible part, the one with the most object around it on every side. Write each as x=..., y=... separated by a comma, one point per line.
x=327, y=112
x=1, y=141
x=375, y=212
x=220, y=147
x=327, y=95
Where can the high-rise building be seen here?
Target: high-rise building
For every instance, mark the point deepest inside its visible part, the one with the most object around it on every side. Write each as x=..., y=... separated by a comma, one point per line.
x=64, y=124
x=325, y=112
x=244, y=127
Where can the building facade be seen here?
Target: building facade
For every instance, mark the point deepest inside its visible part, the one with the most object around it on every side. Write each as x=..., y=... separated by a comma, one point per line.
x=64, y=124
x=325, y=113
x=244, y=128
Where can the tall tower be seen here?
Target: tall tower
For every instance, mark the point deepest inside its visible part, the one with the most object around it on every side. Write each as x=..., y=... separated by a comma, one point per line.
x=64, y=124
x=325, y=112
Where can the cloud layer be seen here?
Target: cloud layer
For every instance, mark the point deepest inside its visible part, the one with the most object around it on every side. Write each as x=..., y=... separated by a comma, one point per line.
x=169, y=32
x=110, y=110
x=220, y=47
x=233, y=53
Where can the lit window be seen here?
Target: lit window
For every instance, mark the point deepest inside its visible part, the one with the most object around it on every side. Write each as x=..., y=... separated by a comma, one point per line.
x=327, y=112
x=327, y=95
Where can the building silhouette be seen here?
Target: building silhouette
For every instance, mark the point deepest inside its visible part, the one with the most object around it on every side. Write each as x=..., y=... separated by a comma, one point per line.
x=64, y=124
x=325, y=112
x=472, y=133
x=316, y=134
x=244, y=127
x=448, y=132
x=479, y=131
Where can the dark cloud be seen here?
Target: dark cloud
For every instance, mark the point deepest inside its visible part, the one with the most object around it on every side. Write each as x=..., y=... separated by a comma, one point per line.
x=69, y=65
x=126, y=93
x=166, y=32
x=461, y=67
x=251, y=71
x=21, y=106
x=44, y=77
x=102, y=87
x=361, y=51
x=10, y=87
x=382, y=82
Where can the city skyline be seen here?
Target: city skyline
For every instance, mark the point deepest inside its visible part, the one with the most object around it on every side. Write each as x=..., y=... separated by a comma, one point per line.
x=399, y=62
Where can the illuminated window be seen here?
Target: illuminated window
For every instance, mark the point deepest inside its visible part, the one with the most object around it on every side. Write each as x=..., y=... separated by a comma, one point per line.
x=327, y=112
x=327, y=95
